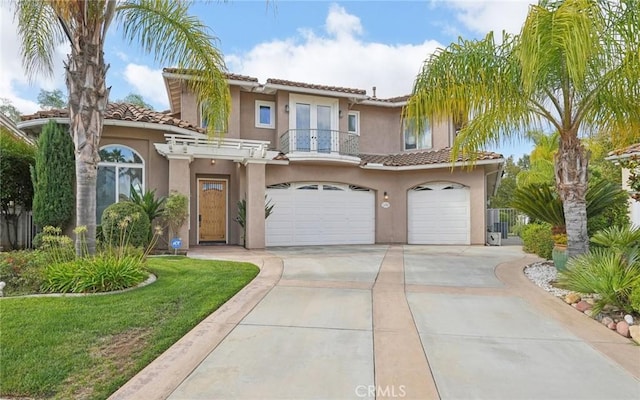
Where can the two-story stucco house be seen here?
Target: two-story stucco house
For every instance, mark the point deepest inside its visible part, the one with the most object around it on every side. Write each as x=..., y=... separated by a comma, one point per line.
x=336, y=164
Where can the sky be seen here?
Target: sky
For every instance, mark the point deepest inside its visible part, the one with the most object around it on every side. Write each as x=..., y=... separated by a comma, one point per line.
x=356, y=44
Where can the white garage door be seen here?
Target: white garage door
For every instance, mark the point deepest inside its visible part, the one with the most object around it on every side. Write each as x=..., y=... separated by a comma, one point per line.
x=320, y=213
x=439, y=213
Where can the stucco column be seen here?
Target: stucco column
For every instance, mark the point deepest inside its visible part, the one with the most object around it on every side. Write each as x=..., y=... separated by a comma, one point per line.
x=255, y=190
x=179, y=181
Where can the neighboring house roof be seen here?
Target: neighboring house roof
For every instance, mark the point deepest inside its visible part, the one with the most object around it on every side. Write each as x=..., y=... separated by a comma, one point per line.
x=628, y=151
x=13, y=130
x=422, y=158
x=123, y=112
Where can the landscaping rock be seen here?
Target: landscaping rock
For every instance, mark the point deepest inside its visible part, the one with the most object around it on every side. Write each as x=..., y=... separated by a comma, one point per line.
x=606, y=321
x=583, y=306
x=634, y=331
x=591, y=301
x=629, y=319
x=588, y=313
x=572, y=298
x=623, y=328
x=612, y=326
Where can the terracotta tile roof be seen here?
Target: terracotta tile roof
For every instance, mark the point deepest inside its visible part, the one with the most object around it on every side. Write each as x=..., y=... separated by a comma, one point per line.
x=123, y=112
x=230, y=76
x=421, y=158
x=397, y=99
x=319, y=87
x=633, y=149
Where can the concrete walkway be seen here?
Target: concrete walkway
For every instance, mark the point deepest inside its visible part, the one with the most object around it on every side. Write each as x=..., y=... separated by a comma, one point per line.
x=420, y=322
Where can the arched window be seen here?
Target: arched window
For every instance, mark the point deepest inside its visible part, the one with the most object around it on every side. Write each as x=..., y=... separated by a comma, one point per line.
x=120, y=168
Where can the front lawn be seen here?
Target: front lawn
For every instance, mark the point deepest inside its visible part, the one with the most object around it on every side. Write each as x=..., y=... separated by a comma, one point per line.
x=86, y=347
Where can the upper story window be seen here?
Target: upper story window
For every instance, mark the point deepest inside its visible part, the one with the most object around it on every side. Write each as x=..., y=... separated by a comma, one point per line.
x=416, y=140
x=120, y=169
x=353, y=122
x=265, y=114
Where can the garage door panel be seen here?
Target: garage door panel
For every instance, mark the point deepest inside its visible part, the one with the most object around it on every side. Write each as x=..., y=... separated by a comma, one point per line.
x=439, y=216
x=317, y=217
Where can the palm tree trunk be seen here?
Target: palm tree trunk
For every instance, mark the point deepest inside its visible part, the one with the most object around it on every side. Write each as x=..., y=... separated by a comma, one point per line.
x=571, y=163
x=88, y=97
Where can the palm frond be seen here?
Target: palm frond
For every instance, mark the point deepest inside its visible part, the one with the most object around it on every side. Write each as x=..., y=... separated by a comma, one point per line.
x=40, y=32
x=541, y=203
x=165, y=28
x=477, y=81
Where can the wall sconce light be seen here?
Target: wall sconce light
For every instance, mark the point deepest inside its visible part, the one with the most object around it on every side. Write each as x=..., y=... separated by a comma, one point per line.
x=286, y=108
x=339, y=113
x=213, y=162
x=386, y=196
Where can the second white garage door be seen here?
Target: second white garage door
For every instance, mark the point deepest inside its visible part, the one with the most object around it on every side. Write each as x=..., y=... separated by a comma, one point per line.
x=320, y=214
x=439, y=213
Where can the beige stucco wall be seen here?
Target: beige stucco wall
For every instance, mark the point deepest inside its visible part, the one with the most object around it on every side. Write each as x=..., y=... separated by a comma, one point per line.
x=391, y=223
x=248, y=127
x=380, y=129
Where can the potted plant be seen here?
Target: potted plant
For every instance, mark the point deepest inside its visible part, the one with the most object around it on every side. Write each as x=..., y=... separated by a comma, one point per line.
x=559, y=252
x=175, y=213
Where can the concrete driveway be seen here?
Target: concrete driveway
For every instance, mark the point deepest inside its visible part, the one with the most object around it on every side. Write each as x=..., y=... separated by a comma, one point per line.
x=364, y=322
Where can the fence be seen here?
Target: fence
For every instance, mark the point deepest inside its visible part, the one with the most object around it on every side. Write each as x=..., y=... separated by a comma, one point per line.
x=505, y=221
x=26, y=232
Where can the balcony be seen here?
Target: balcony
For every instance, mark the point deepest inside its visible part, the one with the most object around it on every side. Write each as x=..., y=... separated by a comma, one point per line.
x=320, y=143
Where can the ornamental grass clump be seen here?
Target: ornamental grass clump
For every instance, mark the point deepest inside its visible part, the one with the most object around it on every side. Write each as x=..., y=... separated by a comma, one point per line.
x=611, y=271
x=118, y=265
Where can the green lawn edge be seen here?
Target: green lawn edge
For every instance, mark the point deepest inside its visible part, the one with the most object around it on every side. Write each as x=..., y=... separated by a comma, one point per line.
x=87, y=347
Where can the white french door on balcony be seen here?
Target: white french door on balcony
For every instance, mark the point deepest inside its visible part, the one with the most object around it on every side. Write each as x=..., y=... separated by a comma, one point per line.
x=315, y=121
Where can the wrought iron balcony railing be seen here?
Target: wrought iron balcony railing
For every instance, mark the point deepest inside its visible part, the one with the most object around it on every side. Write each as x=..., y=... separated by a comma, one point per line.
x=319, y=141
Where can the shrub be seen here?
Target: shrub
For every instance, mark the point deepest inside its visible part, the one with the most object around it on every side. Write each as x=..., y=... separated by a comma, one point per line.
x=537, y=239
x=617, y=237
x=58, y=247
x=176, y=212
x=16, y=189
x=22, y=271
x=102, y=273
x=53, y=177
x=125, y=222
x=634, y=298
x=613, y=275
x=151, y=205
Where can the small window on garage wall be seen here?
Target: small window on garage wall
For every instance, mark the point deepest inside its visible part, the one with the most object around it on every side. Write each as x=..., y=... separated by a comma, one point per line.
x=265, y=114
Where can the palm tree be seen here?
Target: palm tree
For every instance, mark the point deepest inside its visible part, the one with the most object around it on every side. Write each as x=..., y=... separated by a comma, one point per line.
x=542, y=167
x=163, y=27
x=574, y=67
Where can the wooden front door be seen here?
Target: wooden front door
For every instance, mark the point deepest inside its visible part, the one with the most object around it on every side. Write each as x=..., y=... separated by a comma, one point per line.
x=212, y=210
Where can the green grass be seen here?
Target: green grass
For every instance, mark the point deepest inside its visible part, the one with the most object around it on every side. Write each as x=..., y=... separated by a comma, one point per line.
x=87, y=347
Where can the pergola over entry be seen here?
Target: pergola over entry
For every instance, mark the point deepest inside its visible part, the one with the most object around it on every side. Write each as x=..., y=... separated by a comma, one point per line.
x=182, y=149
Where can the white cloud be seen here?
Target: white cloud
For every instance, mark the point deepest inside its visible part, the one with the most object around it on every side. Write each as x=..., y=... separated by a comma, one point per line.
x=336, y=57
x=482, y=16
x=147, y=82
x=14, y=83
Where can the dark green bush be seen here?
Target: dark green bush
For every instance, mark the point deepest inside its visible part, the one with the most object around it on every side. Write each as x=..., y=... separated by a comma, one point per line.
x=125, y=223
x=22, y=271
x=537, y=239
x=53, y=177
